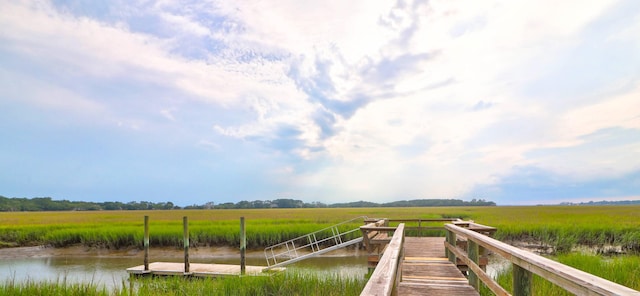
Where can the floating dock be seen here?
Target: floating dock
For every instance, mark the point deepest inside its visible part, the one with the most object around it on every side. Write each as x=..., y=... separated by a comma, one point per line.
x=198, y=270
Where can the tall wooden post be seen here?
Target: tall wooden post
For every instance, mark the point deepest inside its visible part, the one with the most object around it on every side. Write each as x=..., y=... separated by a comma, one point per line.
x=146, y=243
x=185, y=223
x=451, y=239
x=473, y=251
x=522, y=280
x=243, y=246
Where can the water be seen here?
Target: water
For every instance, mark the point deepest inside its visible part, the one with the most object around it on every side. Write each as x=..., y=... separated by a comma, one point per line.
x=109, y=270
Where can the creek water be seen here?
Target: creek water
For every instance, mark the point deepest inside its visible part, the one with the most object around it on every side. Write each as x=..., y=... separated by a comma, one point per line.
x=108, y=268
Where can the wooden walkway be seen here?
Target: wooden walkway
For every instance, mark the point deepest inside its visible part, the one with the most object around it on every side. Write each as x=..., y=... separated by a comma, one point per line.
x=426, y=270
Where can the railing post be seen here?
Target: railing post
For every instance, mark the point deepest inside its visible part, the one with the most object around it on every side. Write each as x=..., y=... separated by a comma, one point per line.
x=522, y=279
x=185, y=224
x=146, y=243
x=243, y=246
x=472, y=251
x=451, y=239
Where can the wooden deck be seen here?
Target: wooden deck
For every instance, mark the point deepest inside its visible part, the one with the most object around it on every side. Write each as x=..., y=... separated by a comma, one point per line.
x=426, y=270
x=196, y=269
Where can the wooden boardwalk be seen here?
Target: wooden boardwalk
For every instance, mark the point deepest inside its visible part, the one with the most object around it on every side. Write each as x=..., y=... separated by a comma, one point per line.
x=426, y=270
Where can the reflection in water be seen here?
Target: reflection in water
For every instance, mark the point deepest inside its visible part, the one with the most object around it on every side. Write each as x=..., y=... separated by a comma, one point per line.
x=102, y=271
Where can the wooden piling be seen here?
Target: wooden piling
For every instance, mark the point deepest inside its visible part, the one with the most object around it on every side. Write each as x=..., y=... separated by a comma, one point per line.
x=185, y=223
x=522, y=280
x=473, y=253
x=451, y=239
x=146, y=243
x=243, y=246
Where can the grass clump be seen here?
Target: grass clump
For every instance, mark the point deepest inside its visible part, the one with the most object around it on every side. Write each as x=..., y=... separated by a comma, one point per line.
x=31, y=288
x=281, y=284
x=284, y=284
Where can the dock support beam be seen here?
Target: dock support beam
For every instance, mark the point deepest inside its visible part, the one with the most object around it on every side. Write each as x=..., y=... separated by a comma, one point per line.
x=185, y=223
x=473, y=253
x=243, y=247
x=451, y=239
x=522, y=279
x=146, y=243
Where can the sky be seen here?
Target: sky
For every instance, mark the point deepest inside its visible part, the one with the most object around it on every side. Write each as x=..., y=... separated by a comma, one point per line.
x=517, y=102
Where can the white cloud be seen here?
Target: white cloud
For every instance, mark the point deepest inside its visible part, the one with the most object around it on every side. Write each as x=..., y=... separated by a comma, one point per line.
x=378, y=99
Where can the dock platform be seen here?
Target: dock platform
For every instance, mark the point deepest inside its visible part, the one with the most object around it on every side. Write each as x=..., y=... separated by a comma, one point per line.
x=198, y=270
x=425, y=270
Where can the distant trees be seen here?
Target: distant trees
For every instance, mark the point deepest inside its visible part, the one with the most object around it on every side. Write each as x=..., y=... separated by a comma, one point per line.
x=48, y=204
x=416, y=203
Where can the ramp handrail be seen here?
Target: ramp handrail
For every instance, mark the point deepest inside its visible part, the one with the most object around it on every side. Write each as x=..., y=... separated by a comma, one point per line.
x=315, y=241
x=524, y=263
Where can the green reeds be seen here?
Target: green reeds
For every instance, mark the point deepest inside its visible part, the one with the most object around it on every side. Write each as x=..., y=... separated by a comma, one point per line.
x=624, y=270
x=59, y=288
x=284, y=284
x=280, y=284
x=561, y=227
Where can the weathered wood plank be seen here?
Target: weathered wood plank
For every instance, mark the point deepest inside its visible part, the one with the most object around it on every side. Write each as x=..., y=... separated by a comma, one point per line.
x=409, y=289
x=570, y=279
x=383, y=278
x=426, y=270
x=196, y=269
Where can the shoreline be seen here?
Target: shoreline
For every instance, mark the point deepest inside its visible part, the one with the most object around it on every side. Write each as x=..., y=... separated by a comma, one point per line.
x=80, y=251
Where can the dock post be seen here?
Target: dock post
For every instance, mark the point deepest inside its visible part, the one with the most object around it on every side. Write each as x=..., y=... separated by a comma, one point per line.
x=522, y=279
x=243, y=246
x=185, y=223
x=146, y=243
x=451, y=239
x=473, y=253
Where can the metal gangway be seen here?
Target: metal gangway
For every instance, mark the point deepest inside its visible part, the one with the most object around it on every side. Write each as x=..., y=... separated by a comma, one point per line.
x=313, y=244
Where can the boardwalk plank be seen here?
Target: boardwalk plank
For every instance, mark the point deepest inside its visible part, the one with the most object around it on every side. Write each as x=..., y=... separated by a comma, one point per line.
x=426, y=270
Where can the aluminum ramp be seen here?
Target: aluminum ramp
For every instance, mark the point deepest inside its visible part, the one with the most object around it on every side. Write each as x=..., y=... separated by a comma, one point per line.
x=313, y=244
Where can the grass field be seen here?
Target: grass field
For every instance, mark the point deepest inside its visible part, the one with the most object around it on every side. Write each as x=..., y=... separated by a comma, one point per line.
x=285, y=284
x=558, y=226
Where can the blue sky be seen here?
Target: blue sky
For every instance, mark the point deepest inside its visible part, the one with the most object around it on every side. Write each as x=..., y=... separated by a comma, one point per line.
x=518, y=102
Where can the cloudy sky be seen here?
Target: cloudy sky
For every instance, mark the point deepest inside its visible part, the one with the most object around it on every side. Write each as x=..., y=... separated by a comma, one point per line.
x=518, y=102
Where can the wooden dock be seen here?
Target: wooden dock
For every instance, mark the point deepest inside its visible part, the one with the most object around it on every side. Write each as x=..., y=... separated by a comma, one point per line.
x=196, y=269
x=426, y=270
x=435, y=265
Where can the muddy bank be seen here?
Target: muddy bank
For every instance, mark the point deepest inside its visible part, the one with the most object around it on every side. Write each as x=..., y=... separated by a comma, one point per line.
x=160, y=252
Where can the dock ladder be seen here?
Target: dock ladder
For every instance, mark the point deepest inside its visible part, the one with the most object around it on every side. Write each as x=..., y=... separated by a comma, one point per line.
x=313, y=244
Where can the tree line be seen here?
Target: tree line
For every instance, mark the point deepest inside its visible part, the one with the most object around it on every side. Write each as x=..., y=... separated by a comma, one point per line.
x=48, y=204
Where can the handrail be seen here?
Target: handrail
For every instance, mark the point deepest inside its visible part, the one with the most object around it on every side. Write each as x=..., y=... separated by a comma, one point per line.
x=414, y=220
x=525, y=263
x=388, y=273
x=314, y=241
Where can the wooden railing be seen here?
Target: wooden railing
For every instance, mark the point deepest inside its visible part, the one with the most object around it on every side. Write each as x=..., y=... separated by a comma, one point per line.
x=525, y=264
x=388, y=273
x=410, y=224
x=375, y=234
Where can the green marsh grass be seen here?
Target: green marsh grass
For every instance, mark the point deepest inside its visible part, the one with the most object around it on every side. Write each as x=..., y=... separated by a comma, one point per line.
x=31, y=288
x=287, y=283
x=624, y=270
x=284, y=284
x=561, y=227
